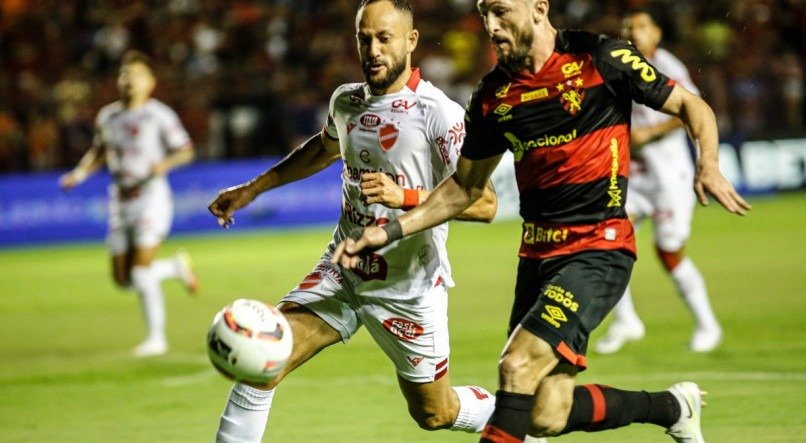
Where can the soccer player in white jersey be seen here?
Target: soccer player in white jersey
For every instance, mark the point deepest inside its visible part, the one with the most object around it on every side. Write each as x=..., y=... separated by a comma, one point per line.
x=140, y=140
x=660, y=175
x=398, y=137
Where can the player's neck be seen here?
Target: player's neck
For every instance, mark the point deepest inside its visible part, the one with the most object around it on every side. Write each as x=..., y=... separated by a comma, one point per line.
x=134, y=102
x=395, y=87
x=545, y=41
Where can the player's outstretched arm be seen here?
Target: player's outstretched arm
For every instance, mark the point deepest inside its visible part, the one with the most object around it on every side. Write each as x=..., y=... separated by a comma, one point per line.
x=648, y=134
x=700, y=122
x=378, y=188
x=454, y=195
x=175, y=159
x=92, y=160
x=314, y=155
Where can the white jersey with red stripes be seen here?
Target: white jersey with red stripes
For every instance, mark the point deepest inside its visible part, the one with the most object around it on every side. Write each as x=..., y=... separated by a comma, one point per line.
x=670, y=154
x=136, y=139
x=662, y=172
x=414, y=136
x=140, y=206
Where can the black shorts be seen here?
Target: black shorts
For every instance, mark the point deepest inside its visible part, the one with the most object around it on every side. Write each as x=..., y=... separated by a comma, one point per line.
x=562, y=299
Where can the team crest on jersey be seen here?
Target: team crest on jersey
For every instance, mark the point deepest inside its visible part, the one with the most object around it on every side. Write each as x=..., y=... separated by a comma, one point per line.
x=571, y=95
x=387, y=136
x=132, y=128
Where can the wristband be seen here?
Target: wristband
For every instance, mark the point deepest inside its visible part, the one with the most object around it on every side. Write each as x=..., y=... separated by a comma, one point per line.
x=393, y=231
x=411, y=198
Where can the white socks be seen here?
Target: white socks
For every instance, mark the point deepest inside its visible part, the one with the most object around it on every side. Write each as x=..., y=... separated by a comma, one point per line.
x=165, y=268
x=151, y=300
x=476, y=406
x=247, y=412
x=691, y=286
x=245, y=416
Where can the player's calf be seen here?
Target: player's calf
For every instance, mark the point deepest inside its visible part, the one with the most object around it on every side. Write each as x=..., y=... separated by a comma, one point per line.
x=548, y=421
x=432, y=419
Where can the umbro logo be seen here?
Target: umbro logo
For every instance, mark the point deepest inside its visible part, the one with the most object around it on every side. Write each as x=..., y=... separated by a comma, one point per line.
x=554, y=315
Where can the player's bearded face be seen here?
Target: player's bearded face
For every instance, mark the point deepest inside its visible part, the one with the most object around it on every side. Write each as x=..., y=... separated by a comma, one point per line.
x=512, y=55
x=394, y=64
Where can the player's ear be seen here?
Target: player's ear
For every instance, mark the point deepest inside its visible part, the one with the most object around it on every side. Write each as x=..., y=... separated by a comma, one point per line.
x=412, y=38
x=540, y=10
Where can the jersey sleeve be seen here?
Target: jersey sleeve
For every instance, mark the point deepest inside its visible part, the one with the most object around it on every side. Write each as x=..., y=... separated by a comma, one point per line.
x=174, y=134
x=446, y=134
x=480, y=141
x=330, y=123
x=626, y=71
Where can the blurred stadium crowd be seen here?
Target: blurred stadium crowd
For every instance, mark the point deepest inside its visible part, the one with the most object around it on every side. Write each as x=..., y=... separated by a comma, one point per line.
x=253, y=77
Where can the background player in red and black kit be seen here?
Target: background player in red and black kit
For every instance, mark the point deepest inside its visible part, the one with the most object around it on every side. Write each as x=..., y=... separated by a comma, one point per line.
x=561, y=100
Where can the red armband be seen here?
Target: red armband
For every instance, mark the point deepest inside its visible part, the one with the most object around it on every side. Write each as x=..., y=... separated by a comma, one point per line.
x=411, y=198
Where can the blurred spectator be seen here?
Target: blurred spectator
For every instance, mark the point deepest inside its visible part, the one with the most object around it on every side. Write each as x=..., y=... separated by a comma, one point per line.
x=251, y=77
x=11, y=142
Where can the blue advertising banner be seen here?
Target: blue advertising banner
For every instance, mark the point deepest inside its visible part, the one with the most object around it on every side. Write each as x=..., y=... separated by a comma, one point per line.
x=33, y=209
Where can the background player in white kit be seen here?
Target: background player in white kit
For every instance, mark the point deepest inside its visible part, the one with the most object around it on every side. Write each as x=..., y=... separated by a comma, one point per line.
x=398, y=136
x=661, y=174
x=140, y=139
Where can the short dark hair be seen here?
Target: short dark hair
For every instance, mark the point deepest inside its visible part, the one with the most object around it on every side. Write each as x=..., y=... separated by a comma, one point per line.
x=401, y=5
x=134, y=56
x=659, y=17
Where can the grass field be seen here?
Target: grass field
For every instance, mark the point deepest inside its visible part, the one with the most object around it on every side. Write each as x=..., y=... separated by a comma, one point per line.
x=66, y=374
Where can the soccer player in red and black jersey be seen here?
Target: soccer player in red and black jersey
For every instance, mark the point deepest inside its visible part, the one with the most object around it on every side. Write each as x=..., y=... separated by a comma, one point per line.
x=560, y=100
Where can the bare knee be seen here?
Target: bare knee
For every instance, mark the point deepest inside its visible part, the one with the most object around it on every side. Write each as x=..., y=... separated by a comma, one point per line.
x=514, y=365
x=526, y=360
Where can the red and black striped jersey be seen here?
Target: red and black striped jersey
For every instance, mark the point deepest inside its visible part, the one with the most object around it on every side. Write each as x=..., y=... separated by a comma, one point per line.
x=568, y=128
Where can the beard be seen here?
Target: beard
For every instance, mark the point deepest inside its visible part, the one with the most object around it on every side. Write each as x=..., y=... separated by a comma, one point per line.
x=382, y=82
x=515, y=60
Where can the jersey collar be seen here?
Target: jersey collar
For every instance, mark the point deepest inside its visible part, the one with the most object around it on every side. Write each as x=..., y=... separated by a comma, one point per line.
x=414, y=80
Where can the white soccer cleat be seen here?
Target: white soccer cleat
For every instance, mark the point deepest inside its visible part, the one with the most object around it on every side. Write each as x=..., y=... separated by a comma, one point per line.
x=618, y=335
x=687, y=429
x=185, y=265
x=530, y=439
x=151, y=348
x=705, y=339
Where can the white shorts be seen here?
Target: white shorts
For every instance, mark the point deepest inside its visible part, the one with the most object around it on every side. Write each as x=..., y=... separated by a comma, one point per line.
x=142, y=221
x=413, y=333
x=671, y=208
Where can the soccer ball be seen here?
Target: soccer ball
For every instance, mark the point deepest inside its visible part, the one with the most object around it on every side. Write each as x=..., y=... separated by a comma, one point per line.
x=249, y=341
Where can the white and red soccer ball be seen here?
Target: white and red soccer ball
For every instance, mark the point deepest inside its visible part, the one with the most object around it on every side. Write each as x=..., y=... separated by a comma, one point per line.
x=249, y=341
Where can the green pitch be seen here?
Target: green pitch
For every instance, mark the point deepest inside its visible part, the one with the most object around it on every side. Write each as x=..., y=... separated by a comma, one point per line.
x=66, y=332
